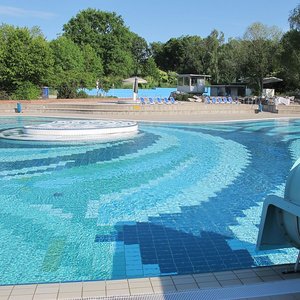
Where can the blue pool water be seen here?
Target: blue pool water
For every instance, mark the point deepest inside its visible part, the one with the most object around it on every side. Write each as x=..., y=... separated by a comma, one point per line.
x=175, y=199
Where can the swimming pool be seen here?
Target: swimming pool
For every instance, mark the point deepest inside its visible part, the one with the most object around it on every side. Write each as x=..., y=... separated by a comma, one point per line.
x=174, y=199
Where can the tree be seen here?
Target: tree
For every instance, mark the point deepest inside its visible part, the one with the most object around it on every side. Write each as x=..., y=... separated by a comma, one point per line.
x=25, y=56
x=210, y=58
x=156, y=52
x=149, y=68
x=74, y=67
x=181, y=55
x=229, y=62
x=192, y=55
x=93, y=67
x=140, y=53
x=294, y=18
x=260, y=52
x=106, y=33
x=68, y=62
x=290, y=59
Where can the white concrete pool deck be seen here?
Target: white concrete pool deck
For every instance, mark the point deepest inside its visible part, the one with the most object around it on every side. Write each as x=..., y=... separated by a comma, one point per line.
x=165, y=118
x=129, y=288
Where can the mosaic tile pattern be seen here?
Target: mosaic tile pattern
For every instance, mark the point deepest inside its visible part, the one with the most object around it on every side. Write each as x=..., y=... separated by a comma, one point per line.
x=176, y=199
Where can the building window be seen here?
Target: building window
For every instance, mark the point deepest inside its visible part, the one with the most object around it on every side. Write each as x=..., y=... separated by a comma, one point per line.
x=180, y=81
x=194, y=81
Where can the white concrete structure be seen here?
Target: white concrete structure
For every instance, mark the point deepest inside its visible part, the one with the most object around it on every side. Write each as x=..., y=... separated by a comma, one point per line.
x=72, y=130
x=191, y=83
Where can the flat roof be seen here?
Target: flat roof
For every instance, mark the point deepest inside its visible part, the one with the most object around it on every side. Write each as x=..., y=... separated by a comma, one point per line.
x=229, y=85
x=193, y=75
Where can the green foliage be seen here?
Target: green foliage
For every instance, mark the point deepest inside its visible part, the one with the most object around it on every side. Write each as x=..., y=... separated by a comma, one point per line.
x=260, y=49
x=190, y=54
x=82, y=94
x=294, y=18
x=213, y=45
x=93, y=67
x=140, y=53
x=172, y=78
x=106, y=33
x=229, y=62
x=4, y=95
x=67, y=90
x=98, y=46
x=27, y=91
x=289, y=60
x=68, y=61
x=183, y=97
x=24, y=56
x=149, y=68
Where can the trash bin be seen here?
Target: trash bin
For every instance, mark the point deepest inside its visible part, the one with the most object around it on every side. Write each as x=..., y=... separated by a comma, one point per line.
x=45, y=93
x=19, y=107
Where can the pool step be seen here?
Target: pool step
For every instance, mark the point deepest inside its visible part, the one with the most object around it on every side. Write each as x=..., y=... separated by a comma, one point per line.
x=288, y=109
x=135, y=109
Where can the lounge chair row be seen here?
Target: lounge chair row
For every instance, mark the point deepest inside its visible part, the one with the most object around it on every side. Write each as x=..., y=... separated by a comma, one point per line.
x=157, y=100
x=220, y=100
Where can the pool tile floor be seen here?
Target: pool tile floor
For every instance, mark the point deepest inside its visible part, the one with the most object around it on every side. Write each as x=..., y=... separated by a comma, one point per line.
x=151, y=285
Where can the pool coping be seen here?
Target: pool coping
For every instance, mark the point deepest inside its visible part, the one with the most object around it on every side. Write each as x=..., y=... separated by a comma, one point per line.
x=151, y=285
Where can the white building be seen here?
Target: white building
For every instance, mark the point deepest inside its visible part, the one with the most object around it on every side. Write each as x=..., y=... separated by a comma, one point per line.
x=191, y=83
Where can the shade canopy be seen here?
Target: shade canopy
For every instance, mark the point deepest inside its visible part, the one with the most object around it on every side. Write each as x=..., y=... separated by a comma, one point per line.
x=267, y=80
x=133, y=80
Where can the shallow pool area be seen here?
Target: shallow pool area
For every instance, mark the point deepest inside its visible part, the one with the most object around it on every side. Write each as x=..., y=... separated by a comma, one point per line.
x=172, y=199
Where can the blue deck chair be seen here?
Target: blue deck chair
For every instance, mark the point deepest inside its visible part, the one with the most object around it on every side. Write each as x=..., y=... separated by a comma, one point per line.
x=207, y=100
x=166, y=101
x=159, y=101
x=214, y=100
x=229, y=100
x=225, y=100
x=142, y=100
x=151, y=101
x=219, y=100
x=173, y=101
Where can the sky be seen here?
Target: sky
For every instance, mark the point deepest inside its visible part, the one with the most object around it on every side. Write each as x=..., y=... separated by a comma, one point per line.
x=154, y=20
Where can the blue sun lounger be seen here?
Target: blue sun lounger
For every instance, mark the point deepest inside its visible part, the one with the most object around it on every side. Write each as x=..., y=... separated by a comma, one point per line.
x=151, y=101
x=173, y=101
x=220, y=100
x=159, y=101
x=207, y=100
x=166, y=101
x=214, y=100
x=142, y=100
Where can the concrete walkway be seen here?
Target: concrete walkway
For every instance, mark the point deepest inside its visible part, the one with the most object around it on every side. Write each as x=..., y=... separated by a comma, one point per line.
x=241, y=283
x=165, y=118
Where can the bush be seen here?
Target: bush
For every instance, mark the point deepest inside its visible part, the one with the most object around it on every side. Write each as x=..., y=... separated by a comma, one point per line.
x=295, y=93
x=4, y=95
x=82, y=94
x=183, y=97
x=27, y=91
x=67, y=91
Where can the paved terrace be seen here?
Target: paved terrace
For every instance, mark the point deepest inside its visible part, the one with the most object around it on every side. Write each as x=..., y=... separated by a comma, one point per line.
x=185, y=112
x=256, y=283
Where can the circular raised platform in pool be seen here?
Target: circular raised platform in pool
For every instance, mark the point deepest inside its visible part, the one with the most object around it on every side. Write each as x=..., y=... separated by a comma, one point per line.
x=72, y=130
